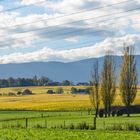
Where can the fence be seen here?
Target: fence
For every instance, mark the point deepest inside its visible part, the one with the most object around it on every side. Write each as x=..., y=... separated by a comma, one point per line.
x=71, y=120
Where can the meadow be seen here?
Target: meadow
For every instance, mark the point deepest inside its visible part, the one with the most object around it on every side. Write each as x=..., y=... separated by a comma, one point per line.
x=53, y=126
x=39, y=134
x=40, y=100
x=44, y=116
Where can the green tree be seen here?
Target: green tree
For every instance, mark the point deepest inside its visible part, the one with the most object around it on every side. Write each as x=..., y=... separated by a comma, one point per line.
x=73, y=90
x=59, y=90
x=66, y=83
x=108, y=83
x=128, y=77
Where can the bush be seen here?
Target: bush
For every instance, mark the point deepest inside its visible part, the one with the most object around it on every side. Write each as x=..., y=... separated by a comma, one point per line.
x=11, y=94
x=119, y=112
x=19, y=93
x=50, y=92
x=132, y=127
x=59, y=90
x=101, y=113
x=113, y=113
x=83, y=126
x=124, y=127
x=27, y=92
x=73, y=90
x=71, y=126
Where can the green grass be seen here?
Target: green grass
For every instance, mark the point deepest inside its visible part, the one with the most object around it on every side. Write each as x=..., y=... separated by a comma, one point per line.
x=57, y=119
x=44, y=134
x=52, y=119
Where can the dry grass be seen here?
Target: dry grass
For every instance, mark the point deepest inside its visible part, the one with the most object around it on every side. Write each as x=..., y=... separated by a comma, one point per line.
x=37, y=89
x=42, y=101
x=45, y=102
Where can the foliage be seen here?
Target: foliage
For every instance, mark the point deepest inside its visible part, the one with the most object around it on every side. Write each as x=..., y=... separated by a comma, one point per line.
x=128, y=77
x=108, y=83
x=73, y=90
x=59, y=90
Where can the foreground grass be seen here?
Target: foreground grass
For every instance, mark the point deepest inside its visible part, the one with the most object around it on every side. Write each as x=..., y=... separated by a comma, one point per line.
x=44, y=134
x=58, y=119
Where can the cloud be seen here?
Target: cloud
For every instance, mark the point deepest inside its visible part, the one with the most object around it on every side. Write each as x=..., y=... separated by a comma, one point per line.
x=99, y=49
x=110, y=28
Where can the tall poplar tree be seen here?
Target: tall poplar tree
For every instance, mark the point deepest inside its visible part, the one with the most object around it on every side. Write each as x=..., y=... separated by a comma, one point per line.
x=108, y=83
x=128, y=77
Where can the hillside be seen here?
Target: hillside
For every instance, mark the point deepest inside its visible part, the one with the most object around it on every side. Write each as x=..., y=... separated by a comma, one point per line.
x=78, y=71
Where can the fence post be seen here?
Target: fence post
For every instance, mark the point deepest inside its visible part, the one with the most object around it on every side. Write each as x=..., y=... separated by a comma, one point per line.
x=64, y=124
x=88, y=112
x=94, y=123
x=26, y=123
x=17, y=124
x=104, y=124
x=46, y=124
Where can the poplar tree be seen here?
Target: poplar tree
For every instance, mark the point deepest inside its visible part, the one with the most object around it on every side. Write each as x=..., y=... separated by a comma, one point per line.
x=128, y=77
x=108, y=83
x=94, y=92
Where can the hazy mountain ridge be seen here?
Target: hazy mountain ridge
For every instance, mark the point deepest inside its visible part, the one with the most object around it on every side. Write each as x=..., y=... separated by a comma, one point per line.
x=78, y=71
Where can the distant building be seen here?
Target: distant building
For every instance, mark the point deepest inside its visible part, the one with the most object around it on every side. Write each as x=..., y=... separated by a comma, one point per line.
x=83, y=84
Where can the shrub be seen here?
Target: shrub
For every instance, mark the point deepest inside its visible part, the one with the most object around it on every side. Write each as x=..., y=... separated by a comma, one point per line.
x=119, y=112
x=71, y=126
x=73, y=90
x=132, y=127
x=27, y=92
x=19, y=93
x=11, y=94
x=59, y=90
x=50, y=92
x=83, y=126
x=101, y=113
x=113, y=113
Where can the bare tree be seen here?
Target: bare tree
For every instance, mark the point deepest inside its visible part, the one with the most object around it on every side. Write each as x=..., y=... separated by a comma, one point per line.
x=108, y=82
x=128, y=77
x=94, y=92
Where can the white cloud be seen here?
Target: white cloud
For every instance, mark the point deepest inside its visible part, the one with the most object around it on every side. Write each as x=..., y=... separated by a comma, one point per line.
x=99, y=49
x=111, y=28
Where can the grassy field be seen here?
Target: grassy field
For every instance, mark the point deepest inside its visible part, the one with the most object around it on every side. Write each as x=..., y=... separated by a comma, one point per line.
x=39, y=134
x=56, y=113
x=34, y=132
x=56, y=119
x=40, y=100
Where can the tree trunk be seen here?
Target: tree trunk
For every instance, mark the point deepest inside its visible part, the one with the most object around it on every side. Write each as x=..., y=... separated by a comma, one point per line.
x=97, y=110
x=109, y=109
x=105, y=111
x=128, y=111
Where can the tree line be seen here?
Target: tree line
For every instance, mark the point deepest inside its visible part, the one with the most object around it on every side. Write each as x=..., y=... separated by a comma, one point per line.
x=104, y=83
x=35, y=81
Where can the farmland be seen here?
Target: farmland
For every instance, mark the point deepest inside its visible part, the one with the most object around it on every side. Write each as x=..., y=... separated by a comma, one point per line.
x=39, y=134
x=49, y=126
x=54, y=116
x=40, y=100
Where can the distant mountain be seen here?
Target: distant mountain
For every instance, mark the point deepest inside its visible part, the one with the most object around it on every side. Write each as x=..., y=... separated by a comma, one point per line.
x=78, y=71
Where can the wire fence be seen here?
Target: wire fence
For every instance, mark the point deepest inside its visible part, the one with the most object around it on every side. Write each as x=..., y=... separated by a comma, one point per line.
x=81, y=121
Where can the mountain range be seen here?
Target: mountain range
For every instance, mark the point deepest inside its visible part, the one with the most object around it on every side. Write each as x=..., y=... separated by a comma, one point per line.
x=78, y=71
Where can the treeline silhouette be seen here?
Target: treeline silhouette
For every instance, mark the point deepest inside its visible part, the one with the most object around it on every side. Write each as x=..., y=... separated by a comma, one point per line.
x=35, y=81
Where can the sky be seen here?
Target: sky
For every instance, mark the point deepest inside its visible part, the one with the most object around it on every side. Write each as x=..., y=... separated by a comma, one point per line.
x=66, y=30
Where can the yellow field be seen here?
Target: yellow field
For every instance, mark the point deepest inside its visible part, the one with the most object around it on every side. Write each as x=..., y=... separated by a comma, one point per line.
x=37, y=89
x=42, y=101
